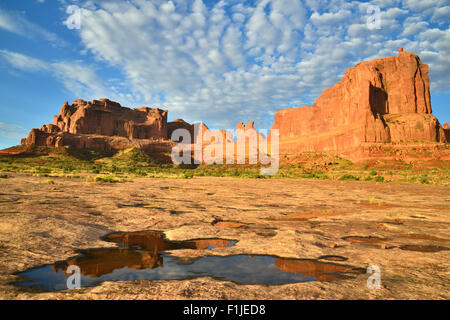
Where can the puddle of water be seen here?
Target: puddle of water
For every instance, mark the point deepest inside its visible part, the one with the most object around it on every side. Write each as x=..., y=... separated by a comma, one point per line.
x=332, y=258
x=411, y=247
x=359, y=239
x=155, y=241
x=142, y=256
x=267, y=233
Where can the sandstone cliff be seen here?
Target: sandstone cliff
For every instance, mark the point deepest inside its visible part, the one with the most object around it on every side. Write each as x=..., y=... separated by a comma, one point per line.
x=380, y=101
x=108, y=118
x=105, y=125
x=447, y=131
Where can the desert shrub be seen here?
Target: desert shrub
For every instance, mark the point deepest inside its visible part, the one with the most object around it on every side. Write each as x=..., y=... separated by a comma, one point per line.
x=235, y=173
x=140, y=173
x=188, y=175
x=373, y=173
x=424, y=179
x=109, y=179
x=379, y=179
x=348, y=177
x=311, y=175
x=3, y=176
x=68, y=167
x=40, y=175
x=40, y=169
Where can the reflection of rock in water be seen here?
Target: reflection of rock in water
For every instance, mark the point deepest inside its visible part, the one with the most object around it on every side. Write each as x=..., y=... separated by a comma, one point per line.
x=155, y=241
x=216, y=243
x=103, y=261
x=96, y=263
x=321, y=271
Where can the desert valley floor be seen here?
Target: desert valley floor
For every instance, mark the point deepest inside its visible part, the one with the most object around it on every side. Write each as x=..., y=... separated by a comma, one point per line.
x=368, y=223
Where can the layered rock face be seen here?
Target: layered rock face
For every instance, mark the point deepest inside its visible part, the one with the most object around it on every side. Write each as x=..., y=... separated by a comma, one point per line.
x=447, y=131
x=108, y=118
x=105, y=125
x=380, y=101
x=179, y=124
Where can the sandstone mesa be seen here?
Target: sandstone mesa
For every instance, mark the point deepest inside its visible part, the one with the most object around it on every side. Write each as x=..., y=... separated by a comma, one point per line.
x=377, y=102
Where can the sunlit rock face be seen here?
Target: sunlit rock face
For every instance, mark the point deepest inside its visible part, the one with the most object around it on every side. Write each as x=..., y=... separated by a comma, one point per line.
x=109, y=118
x=376, y=102
x=104, y=125
x=380, y=101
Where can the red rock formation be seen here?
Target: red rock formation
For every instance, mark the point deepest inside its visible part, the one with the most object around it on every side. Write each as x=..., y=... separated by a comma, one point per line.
x=104, y=125
x=380, y=101
x=105, y=117
x=179, y=124
x=447, y=131
x=87, y=141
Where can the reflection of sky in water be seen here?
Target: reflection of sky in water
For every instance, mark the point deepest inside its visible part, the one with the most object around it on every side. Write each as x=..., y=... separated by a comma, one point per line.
x=241, y=269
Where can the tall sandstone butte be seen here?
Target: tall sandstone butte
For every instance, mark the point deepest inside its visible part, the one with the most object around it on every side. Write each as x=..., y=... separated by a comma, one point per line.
x=380, y=101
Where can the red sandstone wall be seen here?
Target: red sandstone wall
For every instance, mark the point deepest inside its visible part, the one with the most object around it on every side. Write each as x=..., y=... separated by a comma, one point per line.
x=380, y=101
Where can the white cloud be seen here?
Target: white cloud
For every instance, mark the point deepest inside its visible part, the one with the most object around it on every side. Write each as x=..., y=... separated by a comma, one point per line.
x=16, y=23
x=77, y=77
x=230, y=68
x=413, y=26
x=11, y=131
x=23, y=62
x=234, y=61
x=329, y=18
x=421, y=5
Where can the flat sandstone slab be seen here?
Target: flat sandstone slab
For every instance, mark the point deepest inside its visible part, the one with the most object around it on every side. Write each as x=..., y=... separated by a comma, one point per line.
x=43, y=223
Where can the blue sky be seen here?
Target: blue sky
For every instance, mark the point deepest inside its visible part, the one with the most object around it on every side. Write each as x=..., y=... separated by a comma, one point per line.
x=220, y=62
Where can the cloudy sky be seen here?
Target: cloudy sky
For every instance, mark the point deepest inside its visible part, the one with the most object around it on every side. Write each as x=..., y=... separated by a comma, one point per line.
x=220, y=62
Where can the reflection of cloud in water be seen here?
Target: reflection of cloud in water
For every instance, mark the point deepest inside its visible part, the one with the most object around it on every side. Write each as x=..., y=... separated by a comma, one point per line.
x=130, y=264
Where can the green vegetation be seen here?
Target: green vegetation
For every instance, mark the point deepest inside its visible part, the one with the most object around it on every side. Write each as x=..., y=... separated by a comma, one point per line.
x=92, y=166
x=424, y=179
x=348, y=177
x=110, y=179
